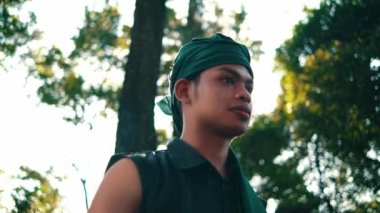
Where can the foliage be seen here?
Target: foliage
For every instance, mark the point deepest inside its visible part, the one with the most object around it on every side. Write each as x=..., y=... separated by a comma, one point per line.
x=327, y=120
x=100, y=45
x=2, y=207
x=181, y=30
x=81, y=80
x=162, y=137
x=15, y=30
x=36, y=192
x=330, y=108
x=101, y=35
x=264, y=152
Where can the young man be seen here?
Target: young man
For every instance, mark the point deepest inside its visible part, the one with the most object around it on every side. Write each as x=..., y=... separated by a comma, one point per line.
x=211, y=85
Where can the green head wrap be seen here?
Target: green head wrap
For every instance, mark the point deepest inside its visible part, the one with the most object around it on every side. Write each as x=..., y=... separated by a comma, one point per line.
x=196, y=56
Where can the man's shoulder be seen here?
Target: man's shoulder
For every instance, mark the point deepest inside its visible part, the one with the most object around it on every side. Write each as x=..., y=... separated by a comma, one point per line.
x=142, y=159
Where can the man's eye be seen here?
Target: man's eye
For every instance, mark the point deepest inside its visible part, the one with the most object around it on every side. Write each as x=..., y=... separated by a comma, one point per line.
x=228, y=80
x=249, y=89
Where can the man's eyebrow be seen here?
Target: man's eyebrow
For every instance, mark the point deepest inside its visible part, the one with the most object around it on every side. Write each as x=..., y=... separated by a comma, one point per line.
x=235, y=73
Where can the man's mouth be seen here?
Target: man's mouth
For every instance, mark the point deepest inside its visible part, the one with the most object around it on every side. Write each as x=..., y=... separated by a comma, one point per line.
x=242, y=110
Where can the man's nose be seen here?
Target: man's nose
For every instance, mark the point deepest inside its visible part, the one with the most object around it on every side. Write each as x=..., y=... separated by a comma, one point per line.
x=243, y=94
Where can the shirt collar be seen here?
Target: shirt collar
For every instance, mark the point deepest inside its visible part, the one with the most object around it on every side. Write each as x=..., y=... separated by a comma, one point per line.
x=184, y=154
x=187, y=157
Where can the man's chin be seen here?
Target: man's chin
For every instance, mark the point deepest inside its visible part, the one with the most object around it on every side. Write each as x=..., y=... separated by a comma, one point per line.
x=232, y=132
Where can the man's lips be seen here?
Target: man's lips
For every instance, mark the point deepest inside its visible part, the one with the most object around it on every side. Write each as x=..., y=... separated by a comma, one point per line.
x=242, y=110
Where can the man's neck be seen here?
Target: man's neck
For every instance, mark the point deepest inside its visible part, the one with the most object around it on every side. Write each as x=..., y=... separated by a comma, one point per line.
x=212, y=147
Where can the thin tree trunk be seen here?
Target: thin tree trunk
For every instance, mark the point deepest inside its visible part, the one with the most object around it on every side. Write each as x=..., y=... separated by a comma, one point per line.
x=135, y=130
x=193, y=27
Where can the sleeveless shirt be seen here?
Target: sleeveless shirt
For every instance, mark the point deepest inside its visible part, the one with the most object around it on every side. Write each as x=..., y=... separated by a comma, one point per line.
x=180, y=180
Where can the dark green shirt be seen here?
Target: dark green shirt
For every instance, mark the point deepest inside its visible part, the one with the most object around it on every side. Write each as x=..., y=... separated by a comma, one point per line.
x=181, y=180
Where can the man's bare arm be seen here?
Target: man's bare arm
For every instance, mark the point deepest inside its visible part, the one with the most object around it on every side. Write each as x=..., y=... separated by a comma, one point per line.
x=120, y=190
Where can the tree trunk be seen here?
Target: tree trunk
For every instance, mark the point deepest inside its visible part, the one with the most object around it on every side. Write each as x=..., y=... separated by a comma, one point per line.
x=193, y=27
x=135, y=130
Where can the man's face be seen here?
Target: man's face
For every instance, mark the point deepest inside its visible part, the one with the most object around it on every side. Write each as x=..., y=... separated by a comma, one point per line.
x=222, y=99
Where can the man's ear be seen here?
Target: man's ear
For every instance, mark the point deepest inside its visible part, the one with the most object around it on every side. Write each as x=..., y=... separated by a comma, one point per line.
x=182, y=91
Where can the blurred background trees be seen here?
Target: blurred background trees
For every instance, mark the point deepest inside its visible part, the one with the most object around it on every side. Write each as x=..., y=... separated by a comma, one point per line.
x=36, y=192
x=318, y=150
x=33, y=192
x=104, y=46
x=325, y=131
x=14, y=31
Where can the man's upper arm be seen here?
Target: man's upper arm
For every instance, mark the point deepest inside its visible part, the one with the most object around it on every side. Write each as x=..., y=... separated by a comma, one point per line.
x=120, y=190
